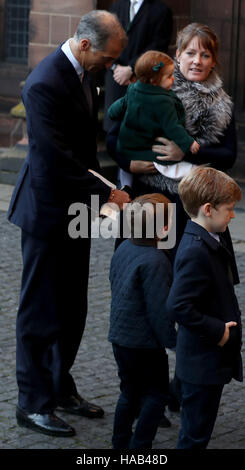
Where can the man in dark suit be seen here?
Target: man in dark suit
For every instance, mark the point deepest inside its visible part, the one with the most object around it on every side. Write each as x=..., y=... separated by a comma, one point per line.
x=203, y=302
x=149, y=27
x=61, y=107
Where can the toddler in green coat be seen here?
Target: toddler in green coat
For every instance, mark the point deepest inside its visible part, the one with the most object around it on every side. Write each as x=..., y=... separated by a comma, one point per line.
x=150, y=109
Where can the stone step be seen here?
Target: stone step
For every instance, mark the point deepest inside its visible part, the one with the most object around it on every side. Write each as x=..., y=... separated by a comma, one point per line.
x=11, y=161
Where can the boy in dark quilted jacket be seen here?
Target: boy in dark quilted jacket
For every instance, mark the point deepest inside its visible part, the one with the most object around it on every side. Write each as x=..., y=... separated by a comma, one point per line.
x=140, y=329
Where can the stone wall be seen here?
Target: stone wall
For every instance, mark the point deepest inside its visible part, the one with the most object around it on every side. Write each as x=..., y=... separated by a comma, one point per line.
x=53, y=22
x=227, y=18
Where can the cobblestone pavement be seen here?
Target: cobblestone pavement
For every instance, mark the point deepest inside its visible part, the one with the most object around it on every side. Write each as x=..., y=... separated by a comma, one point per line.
x=94, y=370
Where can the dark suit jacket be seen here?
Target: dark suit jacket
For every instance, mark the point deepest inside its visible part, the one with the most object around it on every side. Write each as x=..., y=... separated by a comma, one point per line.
x=62, y=146
x=150, y=29
x=202, y=300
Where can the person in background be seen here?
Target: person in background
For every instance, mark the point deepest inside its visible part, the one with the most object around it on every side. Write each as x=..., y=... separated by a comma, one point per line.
x=149, y=25
x=61, y=108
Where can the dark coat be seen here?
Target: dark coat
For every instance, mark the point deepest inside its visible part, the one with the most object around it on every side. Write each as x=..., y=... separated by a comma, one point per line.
x=201, y=301
x=62, y=146
x=150, y=29
x=140, y=281
x=147, y=112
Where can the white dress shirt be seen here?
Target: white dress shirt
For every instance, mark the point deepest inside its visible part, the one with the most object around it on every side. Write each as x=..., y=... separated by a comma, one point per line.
x=68, y=52
x=137, y=5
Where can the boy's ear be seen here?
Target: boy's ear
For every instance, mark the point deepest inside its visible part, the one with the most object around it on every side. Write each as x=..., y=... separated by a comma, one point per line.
x=206, y=209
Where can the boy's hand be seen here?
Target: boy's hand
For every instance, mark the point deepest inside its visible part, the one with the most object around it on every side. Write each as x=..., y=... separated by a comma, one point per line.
x=227, y=333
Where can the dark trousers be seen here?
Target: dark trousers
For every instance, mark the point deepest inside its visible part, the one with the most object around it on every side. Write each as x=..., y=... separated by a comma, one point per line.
x=51, y=318
x=144, y=385
x=200, y=404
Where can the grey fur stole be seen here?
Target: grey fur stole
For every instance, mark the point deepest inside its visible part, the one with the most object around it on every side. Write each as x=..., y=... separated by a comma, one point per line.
x=208, y=108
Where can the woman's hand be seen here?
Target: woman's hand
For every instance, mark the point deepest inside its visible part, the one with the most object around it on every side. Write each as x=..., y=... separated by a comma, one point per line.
x=169, y=149
x=140, y=166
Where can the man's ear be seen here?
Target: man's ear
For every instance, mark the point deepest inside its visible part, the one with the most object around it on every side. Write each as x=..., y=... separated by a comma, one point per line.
x=84, y=44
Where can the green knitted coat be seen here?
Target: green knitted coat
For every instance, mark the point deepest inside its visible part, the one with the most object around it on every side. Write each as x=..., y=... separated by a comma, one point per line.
x=147, y=112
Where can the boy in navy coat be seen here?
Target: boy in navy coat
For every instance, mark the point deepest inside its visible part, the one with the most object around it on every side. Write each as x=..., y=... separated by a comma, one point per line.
x=203, y=302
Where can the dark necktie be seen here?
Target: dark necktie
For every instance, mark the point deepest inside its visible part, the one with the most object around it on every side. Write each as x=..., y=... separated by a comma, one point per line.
x=87, y=90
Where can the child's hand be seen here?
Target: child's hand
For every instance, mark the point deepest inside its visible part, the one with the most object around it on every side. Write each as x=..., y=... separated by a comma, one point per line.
x=194, y=147
x=226, y=335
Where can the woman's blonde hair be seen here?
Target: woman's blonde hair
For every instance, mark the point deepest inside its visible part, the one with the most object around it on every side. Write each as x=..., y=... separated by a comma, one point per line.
x=151, y=66
x=207, y=37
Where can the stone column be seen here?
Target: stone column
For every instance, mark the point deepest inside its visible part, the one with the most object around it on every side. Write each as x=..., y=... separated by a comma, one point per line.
x=52, y=22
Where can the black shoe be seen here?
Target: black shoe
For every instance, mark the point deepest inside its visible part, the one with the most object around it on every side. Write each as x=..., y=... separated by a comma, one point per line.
x=164, y=422
x=76, y=405
x=44, y=423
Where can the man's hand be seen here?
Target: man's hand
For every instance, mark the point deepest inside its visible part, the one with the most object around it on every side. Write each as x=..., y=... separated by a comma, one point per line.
x=226, y=334
x=122, y=74
x=119, y=197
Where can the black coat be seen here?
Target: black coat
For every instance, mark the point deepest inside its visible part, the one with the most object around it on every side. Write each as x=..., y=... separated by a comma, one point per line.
x=150, y=29
x=62, y=146
x=201, y=301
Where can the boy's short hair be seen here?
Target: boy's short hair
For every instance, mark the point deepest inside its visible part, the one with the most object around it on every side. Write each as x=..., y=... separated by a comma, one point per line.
x=203, y=185
x=142, y=215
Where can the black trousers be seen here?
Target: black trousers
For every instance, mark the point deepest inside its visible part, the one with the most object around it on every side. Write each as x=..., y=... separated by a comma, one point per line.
x=51, y=318
x=200, y=404
x=144, y=377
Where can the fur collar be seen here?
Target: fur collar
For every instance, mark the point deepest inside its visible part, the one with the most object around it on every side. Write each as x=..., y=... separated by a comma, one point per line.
x=208, y=108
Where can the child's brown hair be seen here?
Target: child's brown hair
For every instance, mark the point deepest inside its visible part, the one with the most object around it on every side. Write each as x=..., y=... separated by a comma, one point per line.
x=204, y=184
x=143, y=215
x=151, y=66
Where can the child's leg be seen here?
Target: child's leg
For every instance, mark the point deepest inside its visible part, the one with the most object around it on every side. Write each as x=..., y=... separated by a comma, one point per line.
x=200, y=404
x=155, y=388
x=129, y=400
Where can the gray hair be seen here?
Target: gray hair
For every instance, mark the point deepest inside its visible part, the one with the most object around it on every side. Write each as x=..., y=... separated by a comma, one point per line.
x=98, y=26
